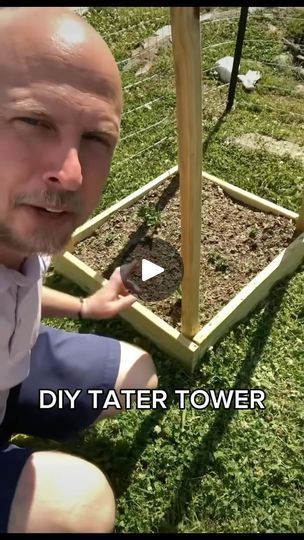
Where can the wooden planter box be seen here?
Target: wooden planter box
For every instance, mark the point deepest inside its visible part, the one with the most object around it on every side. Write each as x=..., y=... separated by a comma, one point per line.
x=189, y=344
x=166, y=337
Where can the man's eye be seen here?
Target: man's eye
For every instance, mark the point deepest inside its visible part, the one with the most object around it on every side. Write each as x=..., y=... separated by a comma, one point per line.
x=98, y=138
x=32, y=121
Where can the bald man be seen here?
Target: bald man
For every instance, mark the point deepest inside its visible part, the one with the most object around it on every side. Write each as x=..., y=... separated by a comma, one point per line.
x=60, y=112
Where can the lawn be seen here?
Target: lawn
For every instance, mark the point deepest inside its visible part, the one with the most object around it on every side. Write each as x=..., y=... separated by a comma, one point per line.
x=225, y=470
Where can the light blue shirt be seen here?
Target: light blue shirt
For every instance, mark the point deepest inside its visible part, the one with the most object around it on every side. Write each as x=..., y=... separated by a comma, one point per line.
x=20, y=316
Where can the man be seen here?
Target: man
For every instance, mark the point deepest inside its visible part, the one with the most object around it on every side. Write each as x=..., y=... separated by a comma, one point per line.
x=60, y=112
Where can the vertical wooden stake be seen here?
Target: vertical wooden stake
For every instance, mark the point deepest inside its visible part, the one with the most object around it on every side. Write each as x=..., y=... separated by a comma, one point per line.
x=185, y=25
x=300, y=220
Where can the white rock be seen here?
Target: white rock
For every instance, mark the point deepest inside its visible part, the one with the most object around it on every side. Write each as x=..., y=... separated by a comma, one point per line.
x=223, y=68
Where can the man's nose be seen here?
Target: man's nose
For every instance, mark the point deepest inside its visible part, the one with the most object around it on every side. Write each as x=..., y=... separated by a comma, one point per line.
x=68, y=174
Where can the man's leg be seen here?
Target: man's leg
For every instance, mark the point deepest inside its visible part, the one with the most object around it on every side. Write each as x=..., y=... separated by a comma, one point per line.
x=71, y=361
x=58, y=484
x=136, y=371
x=57, y=492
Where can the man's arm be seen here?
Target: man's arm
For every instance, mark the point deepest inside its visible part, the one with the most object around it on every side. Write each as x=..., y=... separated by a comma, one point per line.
x=59, y=304
x=106, y=302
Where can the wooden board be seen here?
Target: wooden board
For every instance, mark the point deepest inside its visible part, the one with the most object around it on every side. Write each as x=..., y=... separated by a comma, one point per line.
x=252, y=200
x=186, y=46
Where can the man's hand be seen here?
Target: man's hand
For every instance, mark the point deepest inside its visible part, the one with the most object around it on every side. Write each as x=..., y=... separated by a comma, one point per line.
x=113, y=298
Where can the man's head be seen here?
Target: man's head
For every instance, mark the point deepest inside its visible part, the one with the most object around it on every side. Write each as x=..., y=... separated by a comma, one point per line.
x=60, y=111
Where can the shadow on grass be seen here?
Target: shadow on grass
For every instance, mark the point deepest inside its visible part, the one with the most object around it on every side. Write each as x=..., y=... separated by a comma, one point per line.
x=192, y=476
x=213, y=131
x=119, y=459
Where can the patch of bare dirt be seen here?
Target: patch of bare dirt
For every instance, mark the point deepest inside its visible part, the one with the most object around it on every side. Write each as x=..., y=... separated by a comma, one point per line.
x=237, y=242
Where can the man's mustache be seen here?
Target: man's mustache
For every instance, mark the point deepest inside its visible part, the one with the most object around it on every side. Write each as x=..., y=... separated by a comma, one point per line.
x=70, y=202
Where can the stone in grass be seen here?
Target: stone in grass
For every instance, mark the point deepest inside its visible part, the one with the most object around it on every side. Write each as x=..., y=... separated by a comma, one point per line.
x=284, y=60
x=255, y=141
x=299, y=89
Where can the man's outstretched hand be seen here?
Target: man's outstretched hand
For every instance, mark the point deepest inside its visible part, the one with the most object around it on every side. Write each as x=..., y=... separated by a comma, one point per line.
x=114, y=297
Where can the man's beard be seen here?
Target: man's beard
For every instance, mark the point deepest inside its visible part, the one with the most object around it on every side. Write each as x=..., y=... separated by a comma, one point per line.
x=38, y=242
x=49, y=240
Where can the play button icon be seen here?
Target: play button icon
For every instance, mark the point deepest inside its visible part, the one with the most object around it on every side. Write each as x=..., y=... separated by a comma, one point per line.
x=159, y=269
x=150, y=270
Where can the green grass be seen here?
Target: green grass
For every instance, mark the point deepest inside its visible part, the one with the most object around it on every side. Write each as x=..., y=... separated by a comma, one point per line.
x=226, y=470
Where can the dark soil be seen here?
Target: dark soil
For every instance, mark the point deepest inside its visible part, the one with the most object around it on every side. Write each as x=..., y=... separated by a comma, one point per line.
x=237, y=243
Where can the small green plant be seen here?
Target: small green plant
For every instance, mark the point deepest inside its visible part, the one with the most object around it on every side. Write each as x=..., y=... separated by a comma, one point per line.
x=109, y=238
x=151, y=215
x=178, y=294
x=179, y=291
x=218, y=261
x=253, y=232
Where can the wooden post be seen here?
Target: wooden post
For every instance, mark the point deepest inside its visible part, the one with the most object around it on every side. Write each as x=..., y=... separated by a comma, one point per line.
x=300, y=220
x=185, y=26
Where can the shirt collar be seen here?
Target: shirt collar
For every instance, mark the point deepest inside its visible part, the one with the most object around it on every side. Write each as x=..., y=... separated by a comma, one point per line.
x=30, y=274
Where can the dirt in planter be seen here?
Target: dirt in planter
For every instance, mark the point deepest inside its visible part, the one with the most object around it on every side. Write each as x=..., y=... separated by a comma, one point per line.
x=237, y=242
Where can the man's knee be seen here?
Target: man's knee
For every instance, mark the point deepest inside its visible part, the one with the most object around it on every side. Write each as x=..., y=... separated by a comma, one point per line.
x=137, y=371
x=58, y=492
x=137, y=368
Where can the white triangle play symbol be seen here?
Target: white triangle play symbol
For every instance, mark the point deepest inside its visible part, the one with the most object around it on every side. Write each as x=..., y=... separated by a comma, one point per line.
x=149, y=270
